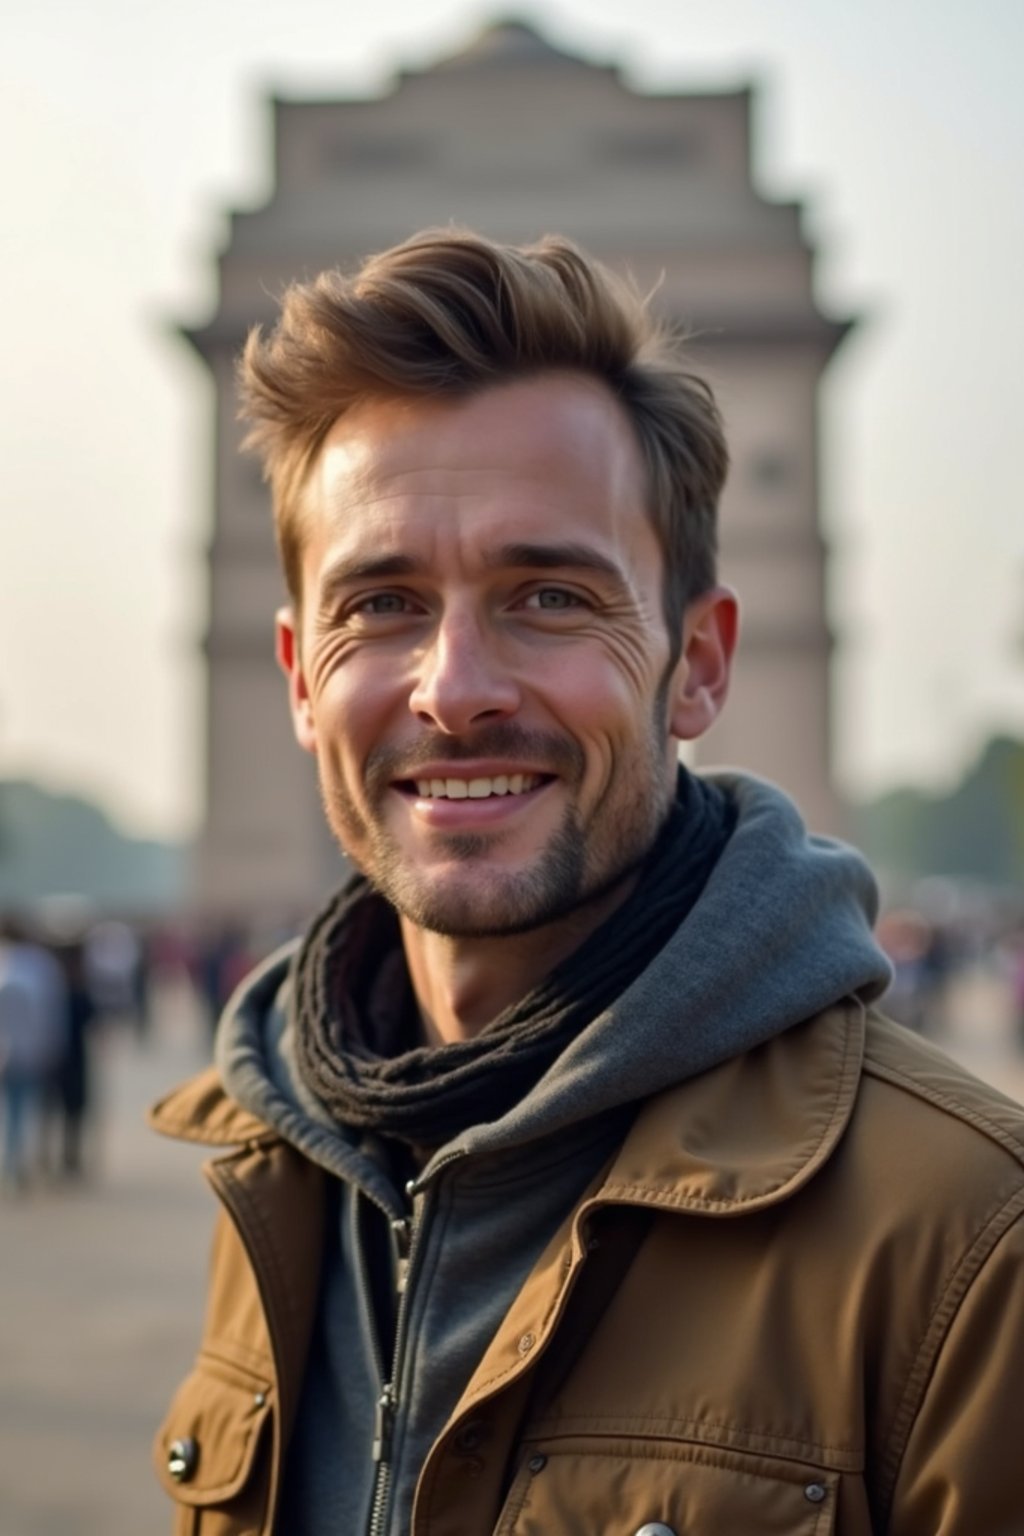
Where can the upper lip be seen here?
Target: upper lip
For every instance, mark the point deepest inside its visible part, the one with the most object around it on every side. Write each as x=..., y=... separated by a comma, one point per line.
x=487, y=769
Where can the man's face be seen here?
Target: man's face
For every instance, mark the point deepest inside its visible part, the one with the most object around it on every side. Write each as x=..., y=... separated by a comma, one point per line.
x=482, y=668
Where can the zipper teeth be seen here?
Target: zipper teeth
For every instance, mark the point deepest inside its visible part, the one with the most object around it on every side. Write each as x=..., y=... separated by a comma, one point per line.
x=382, y=1481
x=383, y=1478
x=381, y=1488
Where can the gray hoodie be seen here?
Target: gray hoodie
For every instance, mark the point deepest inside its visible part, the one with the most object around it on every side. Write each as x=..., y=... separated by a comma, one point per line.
x=781, y=931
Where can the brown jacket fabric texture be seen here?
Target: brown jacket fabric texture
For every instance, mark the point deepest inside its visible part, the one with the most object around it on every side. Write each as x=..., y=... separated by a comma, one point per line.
x=792, y=1305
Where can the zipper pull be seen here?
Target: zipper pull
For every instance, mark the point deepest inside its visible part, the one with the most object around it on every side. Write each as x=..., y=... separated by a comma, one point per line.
x=401, y=1232
x=383, y=1424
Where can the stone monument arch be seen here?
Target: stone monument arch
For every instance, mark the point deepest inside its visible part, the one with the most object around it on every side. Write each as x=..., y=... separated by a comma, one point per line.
x=517, y=138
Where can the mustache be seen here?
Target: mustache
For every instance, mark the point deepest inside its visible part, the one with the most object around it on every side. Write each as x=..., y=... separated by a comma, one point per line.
x=558, y=754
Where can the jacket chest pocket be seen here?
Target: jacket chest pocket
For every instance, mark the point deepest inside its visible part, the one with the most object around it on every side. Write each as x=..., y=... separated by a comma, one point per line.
x=212, y=1453
x=584, y=1485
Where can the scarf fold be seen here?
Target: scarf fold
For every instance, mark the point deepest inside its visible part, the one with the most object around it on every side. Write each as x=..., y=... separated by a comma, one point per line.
x=356, y=1017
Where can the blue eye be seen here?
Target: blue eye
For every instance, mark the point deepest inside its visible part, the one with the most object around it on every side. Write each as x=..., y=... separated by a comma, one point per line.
x=384, y=603
x=552, y=599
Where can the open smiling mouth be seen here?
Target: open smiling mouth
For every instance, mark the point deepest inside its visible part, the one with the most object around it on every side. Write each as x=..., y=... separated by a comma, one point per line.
x=476, y=788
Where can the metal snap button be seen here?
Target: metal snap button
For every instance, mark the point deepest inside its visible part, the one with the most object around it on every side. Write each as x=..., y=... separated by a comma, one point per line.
x=537, y=1463
x=260, y=1399
x=815, y=1493
x=526, y=1343
x=182, y=1459
x=655, y=1528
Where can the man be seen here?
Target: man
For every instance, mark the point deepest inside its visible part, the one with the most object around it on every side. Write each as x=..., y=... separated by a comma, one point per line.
x=570, y=1181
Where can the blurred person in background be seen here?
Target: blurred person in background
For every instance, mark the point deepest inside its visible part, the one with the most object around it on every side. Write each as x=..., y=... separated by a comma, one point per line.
x=222, y=956
x=33, y=1043
x=75, y=1089
x=113, y=958
x=907, y=938
x=570, y=1178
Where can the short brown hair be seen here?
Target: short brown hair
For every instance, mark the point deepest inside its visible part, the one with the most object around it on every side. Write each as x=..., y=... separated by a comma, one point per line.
x=448, y=313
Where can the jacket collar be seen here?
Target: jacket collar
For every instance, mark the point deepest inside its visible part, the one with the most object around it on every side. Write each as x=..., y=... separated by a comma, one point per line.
x=743, y=1135
x=200, y=1110
x=750, y=1131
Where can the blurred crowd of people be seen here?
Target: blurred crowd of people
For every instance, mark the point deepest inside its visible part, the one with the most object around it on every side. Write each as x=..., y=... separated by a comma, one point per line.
x=47, y=1006
x=933, y=943
x=64, y=987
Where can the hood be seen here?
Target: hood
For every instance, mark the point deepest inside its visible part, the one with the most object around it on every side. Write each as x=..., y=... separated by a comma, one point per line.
x=781, y=931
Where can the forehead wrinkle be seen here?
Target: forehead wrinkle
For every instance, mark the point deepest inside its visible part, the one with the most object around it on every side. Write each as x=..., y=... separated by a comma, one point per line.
x=419, y=463
x=418, y=485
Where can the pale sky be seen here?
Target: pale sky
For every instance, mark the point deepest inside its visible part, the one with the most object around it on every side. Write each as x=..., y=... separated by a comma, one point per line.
x=130, y=129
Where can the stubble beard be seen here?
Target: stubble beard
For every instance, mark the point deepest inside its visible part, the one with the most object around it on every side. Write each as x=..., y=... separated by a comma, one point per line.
x=489, y=904
x=492, y=902
x=580, y=863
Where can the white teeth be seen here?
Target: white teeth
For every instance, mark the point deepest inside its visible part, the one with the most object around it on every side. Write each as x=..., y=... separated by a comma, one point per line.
x=476, y=789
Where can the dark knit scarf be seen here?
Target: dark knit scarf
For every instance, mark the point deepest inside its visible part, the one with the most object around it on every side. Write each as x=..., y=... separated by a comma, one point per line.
x=356, y=1014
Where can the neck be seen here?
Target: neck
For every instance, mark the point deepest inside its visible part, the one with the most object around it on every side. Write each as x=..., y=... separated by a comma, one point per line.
x=461, y=984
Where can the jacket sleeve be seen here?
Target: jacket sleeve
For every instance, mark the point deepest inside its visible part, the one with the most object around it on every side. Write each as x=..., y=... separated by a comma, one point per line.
x=962, y=1472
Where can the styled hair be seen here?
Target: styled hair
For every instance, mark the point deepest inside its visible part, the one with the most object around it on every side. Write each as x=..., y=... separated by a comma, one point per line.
x=448, y=313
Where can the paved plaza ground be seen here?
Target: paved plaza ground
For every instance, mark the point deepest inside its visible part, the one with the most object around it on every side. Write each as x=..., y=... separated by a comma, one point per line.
x=100, y=1296
x=101, y=1288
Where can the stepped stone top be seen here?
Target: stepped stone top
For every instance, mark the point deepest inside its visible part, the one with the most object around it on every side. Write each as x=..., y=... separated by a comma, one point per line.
x=507, y=41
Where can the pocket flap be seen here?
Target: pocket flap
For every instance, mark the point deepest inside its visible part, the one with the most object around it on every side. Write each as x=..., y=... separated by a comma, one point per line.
x=573, y=1484
x=211, y=1434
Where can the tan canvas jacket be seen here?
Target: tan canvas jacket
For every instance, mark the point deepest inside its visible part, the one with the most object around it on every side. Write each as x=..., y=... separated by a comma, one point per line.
x=793, y=1305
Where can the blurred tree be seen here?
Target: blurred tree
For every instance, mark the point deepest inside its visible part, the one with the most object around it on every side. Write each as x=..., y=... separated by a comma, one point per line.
x=59, y=845
x=976, y=831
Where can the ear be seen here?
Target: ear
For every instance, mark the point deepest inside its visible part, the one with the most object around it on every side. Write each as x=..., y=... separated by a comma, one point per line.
x=700, y=681
x=289, y=659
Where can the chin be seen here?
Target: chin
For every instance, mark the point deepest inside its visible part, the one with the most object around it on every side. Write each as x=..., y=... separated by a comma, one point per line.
x=488, y=902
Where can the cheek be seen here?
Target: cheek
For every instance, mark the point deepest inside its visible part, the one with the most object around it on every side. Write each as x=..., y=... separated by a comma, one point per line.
x=635, y=642
x=616, y=675
x=608, y=697
x=327, y=661
x=349, y=683
x=348, y=720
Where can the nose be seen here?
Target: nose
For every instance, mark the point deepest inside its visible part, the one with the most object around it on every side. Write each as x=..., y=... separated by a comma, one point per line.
x=461, y=680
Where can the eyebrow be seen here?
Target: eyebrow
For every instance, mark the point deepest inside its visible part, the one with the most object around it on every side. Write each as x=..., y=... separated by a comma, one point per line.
x=552, y=557
x=343, y=572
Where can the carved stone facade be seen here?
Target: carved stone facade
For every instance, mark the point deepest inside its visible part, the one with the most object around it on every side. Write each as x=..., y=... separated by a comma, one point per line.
x=516, y=139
